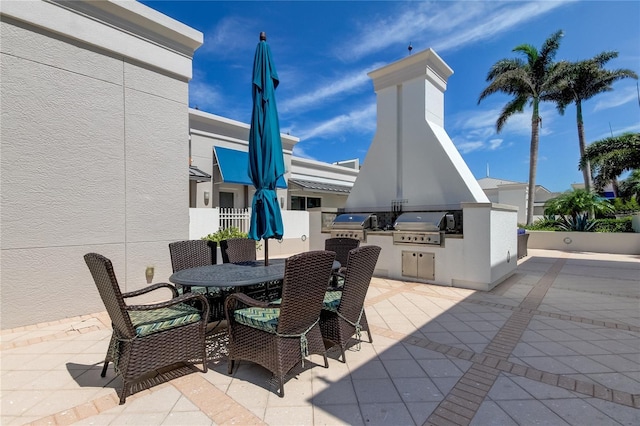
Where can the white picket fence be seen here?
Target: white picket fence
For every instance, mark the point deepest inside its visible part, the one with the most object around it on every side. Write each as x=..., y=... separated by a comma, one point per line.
x=238, y=218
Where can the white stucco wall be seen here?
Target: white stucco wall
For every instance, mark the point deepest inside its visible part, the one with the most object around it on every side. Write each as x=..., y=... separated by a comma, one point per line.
x=92, y=125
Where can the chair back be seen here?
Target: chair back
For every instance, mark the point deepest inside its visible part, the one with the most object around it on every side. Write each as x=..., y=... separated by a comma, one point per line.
x=192, y=253
x=360, y=266
x=102, y=271
x=341, y=246
x=305, y=282
x=235, y=250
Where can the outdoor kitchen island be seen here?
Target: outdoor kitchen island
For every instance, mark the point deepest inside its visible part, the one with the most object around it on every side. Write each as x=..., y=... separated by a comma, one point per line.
x=453, y=235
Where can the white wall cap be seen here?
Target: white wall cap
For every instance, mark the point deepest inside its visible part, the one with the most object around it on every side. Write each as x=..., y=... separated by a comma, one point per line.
x=127, y=28
x=492, y=206
x=223, y=123
x=319, y=165
x=426, y=64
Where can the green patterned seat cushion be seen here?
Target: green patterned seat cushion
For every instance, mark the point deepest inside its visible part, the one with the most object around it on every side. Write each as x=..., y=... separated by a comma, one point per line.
x=332, y=300
x=265, y=319
x=153, y=321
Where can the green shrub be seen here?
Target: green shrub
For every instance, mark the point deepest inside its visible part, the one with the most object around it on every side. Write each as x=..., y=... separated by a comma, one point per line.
x=622, y=206
x=613, y=225
x=580, y=223
x=546, y=224
x=225, y=234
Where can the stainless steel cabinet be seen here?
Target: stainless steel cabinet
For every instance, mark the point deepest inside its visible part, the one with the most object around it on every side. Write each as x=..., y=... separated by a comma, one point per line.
x=418, y=265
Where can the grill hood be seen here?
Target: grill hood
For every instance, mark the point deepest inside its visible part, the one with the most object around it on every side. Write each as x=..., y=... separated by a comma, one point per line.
x=422, y=167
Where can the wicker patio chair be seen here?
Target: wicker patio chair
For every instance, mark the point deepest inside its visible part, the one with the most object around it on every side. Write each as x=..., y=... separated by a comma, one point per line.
x=236, y=250
x=279, y=336
x=343, y=312
x=193, y=253
x=341, y=246
x=148, y=337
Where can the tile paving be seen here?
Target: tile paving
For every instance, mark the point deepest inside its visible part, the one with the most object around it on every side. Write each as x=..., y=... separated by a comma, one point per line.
x=557, y=343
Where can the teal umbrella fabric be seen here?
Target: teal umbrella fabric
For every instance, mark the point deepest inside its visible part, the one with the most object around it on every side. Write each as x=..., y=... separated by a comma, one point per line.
x=266, y=163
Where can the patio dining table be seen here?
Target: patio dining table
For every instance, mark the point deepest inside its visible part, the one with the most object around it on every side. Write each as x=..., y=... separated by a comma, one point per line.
x=246, y=277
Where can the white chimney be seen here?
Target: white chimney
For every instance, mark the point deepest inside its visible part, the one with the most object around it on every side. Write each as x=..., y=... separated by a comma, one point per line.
x=412, y=160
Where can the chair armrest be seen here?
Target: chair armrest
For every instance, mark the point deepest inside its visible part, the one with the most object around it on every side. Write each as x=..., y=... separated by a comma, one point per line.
x=150, y=288
x=238, y=301
x=175, y=301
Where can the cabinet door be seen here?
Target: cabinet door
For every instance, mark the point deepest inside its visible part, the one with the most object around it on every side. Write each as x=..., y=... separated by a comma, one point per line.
x=410, y=264
x=426, y=266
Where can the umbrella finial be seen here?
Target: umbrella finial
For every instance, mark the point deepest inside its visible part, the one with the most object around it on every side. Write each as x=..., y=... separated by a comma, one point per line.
x=263, y=36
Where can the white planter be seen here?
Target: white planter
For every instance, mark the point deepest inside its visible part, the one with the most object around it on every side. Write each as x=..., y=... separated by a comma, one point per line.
x=597, y=242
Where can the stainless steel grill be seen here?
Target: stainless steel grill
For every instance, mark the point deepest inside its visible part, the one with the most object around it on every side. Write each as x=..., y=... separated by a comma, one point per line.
x=353, y=225
x=423, y=227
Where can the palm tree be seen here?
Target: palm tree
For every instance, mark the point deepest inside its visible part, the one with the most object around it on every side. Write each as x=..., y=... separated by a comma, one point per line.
x=528, y=82
x=610, y=157
x=577, y=202
x=630, y=187
x=575, y=207
x=579, y=81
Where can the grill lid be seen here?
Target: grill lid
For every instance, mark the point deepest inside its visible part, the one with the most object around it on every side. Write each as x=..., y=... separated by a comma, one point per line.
x=352, y=221
x=419, y=221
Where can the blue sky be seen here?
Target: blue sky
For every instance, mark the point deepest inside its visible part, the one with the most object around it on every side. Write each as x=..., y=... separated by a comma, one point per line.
x=323, y=51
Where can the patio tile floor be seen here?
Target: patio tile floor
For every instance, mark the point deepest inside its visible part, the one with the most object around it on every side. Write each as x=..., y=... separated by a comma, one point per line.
x=556, y=343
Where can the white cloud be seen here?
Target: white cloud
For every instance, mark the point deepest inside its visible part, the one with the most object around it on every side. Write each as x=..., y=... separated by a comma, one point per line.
x=358, y=120
x=475, y=130
x=298, y=151
x=204, y=96
x=618, y=132
x=616, y=98
x=350, y=82
x=467, y=147
x=495, y=144
x=229, y=37
x=498, y=21
x=442, y=25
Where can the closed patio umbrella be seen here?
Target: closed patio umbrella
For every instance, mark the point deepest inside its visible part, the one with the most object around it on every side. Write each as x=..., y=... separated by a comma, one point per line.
x=266, y=163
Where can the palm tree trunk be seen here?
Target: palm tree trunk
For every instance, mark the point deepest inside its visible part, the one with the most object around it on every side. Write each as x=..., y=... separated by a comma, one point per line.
x=586, y=170
x=533, y=161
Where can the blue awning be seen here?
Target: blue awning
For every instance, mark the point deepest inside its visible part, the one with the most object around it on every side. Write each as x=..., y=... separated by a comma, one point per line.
x=234, y=167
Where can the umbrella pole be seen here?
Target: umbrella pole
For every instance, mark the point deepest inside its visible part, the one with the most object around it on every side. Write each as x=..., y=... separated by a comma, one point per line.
x=266, y=252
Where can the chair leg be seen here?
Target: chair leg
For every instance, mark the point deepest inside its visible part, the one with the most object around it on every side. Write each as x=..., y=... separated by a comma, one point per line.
x=229, y=366
x=123, y=393
x=104, y=369
x=281, y=378
x=326, y=361
x=204, y=358
x=344, y=359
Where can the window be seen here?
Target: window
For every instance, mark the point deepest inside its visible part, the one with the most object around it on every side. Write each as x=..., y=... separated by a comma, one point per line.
x=304, y=203
x=226, y=199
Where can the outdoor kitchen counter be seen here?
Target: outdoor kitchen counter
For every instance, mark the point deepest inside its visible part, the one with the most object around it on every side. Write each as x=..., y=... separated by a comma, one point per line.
x=390, y=234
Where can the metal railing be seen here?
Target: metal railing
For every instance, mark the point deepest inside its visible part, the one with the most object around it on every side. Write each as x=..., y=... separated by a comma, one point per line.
x=238, y=218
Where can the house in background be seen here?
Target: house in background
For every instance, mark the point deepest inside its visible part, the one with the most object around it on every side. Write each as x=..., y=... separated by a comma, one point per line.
x=515, y=194
x=218, y=160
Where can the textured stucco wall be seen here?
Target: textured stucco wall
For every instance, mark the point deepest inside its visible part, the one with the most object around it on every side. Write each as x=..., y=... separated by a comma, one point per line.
x=90, y=142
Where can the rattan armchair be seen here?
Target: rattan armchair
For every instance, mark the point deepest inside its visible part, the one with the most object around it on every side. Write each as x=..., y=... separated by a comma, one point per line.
x=148, y=337
x=341, y=246
x=279, y=336
x=236, y=250
x=194, y=253
x=343, y=312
